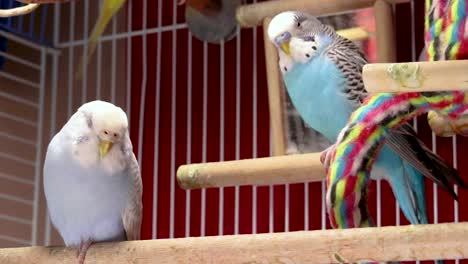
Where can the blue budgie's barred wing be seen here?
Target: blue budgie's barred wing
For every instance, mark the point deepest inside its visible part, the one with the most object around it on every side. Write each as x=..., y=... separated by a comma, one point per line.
x=404, y=141
x=350, y=60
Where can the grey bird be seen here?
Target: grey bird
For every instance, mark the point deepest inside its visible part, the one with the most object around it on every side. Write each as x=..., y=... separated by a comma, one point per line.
x=92, y=180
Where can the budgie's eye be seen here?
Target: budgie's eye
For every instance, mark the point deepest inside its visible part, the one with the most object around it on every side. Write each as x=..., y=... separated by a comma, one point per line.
x=298, y=24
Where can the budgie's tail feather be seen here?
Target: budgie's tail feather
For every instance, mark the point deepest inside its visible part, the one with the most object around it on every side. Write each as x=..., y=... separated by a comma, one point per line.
x=450, y=172
x=440, y=172
x=415, y=180
x=405, y=142
x=407, y=193
x=104, y=17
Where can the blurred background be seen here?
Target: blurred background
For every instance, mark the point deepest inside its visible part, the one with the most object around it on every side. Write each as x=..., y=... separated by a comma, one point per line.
x=188, y=102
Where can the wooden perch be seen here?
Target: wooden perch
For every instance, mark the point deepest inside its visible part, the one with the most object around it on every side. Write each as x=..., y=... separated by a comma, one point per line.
x=392, y=243
x=18, y=11
x=251, y=15
x=31, y=6
x=385, y=37
x=275, y=94
x=355, y=33
x=261, y=171
x=416, y=76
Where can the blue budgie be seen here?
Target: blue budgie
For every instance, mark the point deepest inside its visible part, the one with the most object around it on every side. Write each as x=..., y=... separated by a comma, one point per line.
x=322, y=73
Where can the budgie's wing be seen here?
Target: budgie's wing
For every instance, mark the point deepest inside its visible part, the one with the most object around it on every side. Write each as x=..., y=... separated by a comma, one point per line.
x=349, y=59
x=132, y=214
x=404, y=141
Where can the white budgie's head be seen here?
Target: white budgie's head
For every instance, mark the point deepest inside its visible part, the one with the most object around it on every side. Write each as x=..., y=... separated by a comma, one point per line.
x=108, y=122
x=298, y=35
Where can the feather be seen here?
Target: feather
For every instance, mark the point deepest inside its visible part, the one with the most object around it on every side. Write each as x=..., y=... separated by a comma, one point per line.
x=132, y=214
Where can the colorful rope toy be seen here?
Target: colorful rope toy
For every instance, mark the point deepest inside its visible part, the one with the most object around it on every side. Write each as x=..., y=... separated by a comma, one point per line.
x=360, y=141
x=446, y=28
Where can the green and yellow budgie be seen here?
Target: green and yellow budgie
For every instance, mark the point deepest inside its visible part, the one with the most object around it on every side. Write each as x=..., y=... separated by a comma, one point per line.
x=108, y=10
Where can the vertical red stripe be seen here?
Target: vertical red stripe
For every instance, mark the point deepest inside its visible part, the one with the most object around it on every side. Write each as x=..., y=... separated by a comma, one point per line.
x=263, y=131
x=213, y=133
x=245, y=192
x=181, y=129
x=197, y=130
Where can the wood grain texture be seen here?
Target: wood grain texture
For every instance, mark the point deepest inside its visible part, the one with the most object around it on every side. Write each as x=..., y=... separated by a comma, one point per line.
x=253, y=14
x=386, y=50
x=423, y=76
x=262, y=171
x=18, y=11
x=403, y=243
x=275, y=94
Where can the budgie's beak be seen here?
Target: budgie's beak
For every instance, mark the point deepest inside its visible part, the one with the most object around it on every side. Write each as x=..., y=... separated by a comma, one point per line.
x=283, y=42
x=285, y=48
x=104, y=147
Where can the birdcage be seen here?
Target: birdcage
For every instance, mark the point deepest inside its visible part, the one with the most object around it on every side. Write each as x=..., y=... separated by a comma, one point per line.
x=187, y=101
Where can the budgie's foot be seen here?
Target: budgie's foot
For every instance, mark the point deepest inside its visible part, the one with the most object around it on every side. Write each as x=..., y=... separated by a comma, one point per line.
x=181, y=2
x=81, y=254
x=325, y=157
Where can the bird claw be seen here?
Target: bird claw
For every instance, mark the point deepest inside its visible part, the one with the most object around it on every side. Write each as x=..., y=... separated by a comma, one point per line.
x=325, y=157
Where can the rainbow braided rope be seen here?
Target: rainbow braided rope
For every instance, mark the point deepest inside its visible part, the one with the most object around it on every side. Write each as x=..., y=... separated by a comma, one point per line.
x=360, y=141
x=446, y=29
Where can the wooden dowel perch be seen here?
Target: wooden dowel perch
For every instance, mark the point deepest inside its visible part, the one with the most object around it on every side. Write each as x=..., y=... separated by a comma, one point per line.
x=252, y=15
x=18, y=11
x=385, y=37
x=402, y=243
x=275, y=94
x=355, y=33
x=416, y=76
x=261, y=171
